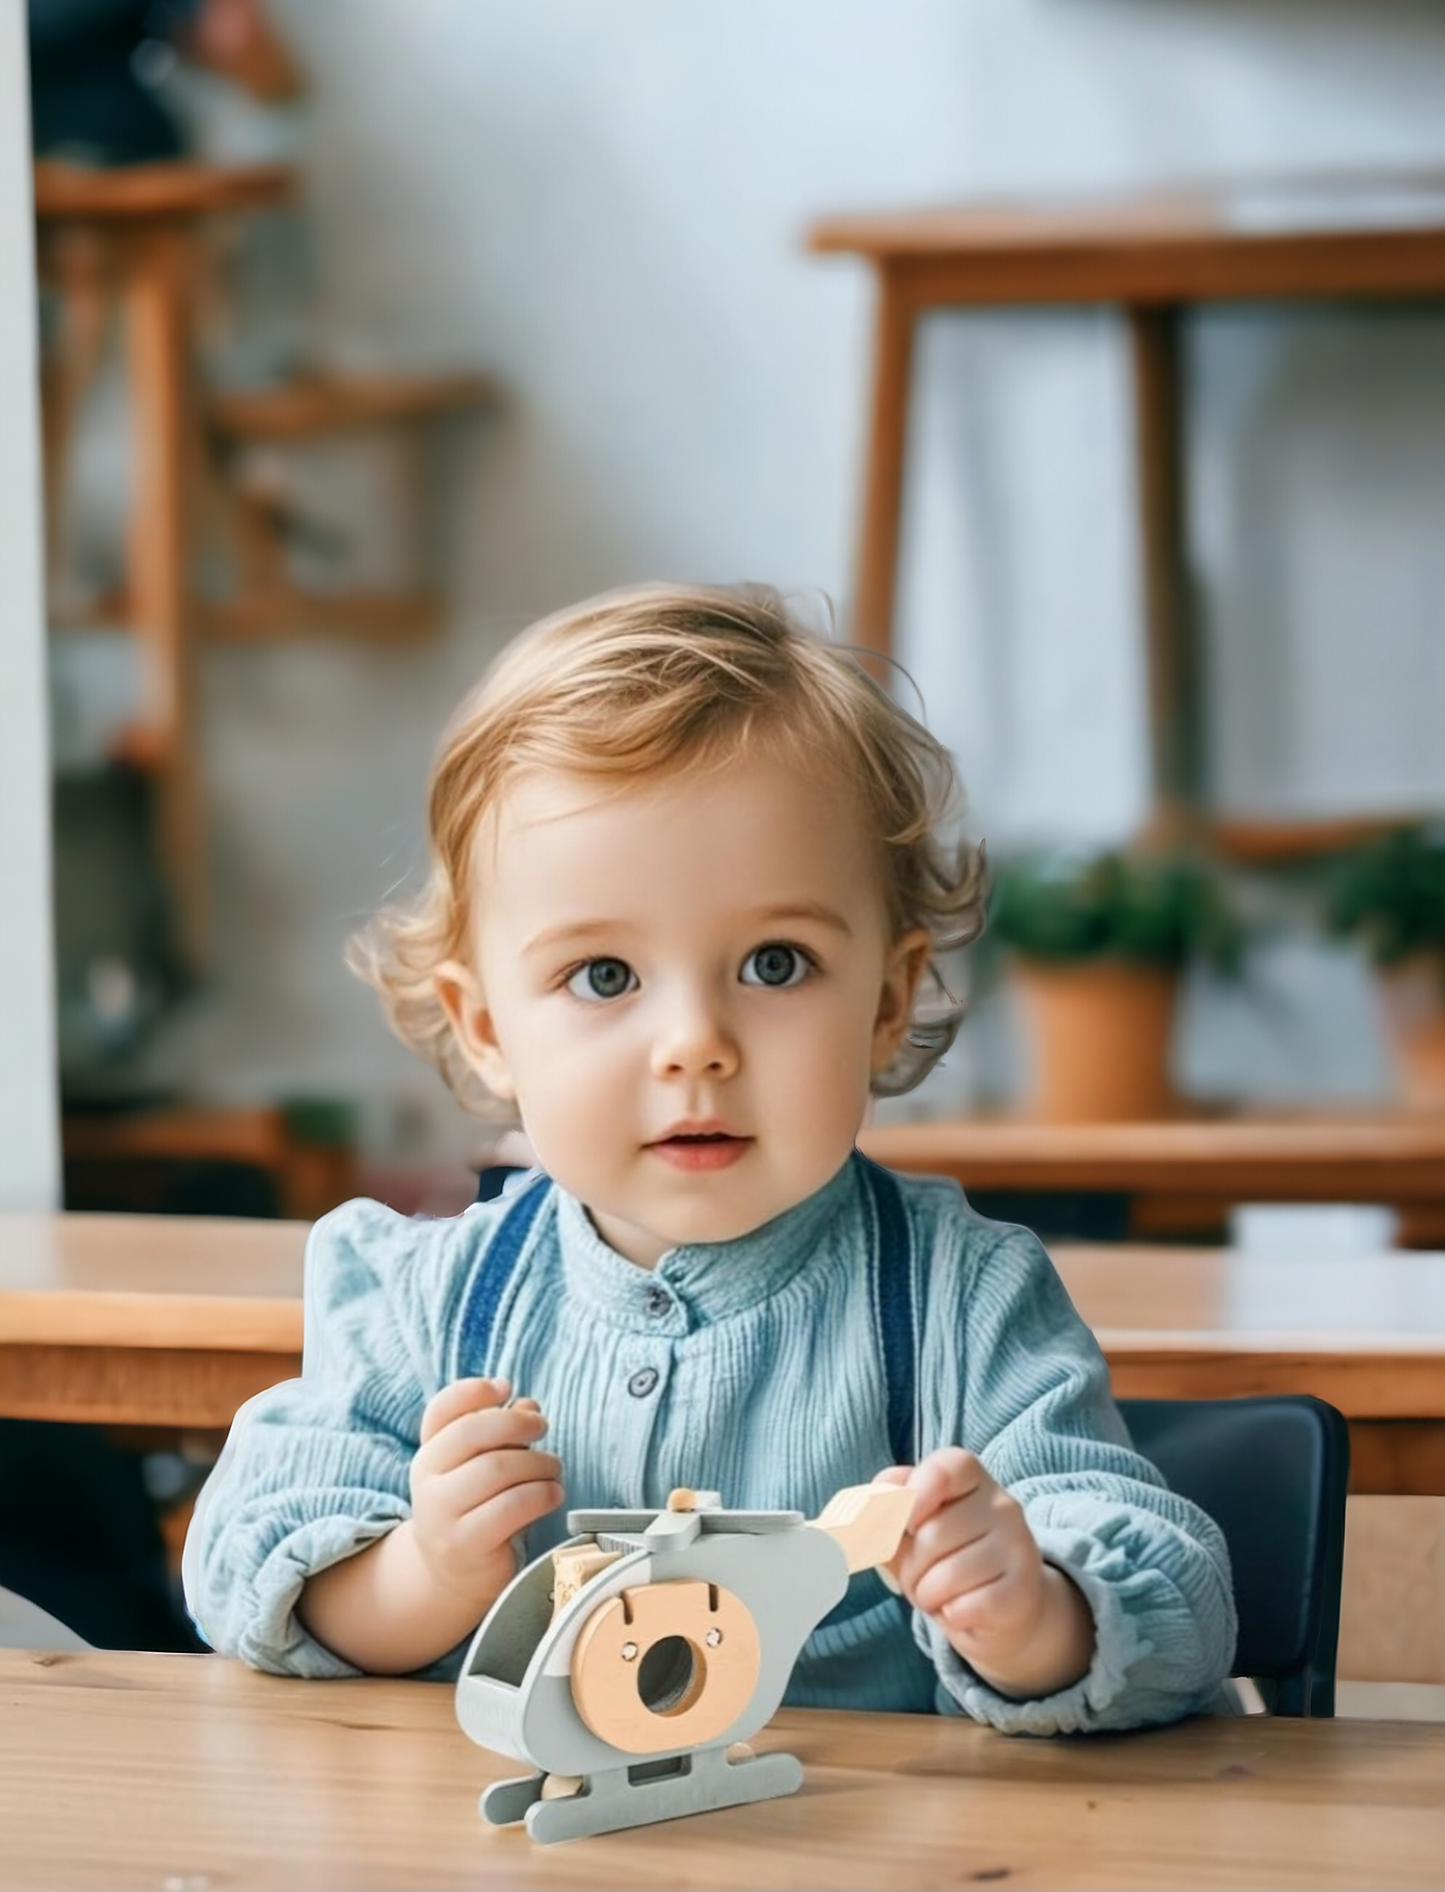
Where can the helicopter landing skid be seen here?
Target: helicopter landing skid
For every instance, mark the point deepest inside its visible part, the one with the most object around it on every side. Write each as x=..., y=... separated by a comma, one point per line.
x=618, y=1797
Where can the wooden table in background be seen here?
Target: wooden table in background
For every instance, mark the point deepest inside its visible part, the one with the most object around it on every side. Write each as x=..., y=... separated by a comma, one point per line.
x=1365, y=1332
x=163, y=1320
x=192, y=1771
x=1179, y=1173
x=1364, y=237
x=170, y=1321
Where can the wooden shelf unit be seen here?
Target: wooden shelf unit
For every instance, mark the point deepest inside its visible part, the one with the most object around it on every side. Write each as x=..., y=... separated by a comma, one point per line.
x=131, y=239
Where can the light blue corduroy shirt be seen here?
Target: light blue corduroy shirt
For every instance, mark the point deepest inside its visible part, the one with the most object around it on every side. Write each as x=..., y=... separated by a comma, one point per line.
x=751, y=1367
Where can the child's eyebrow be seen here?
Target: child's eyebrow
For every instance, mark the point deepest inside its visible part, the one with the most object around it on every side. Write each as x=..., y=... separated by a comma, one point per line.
x=578, y=930
x=805, y=910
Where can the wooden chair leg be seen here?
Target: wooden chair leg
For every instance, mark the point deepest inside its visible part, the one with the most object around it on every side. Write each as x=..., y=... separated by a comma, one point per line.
x=873, y=602
x=157, y=287
x=1173, y=665
x=76, y=265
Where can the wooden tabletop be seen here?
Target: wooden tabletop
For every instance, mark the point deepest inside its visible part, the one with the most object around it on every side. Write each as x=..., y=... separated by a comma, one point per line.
x=234, y=1286
x=206, y=1282
x=162, y=192
x=174, y=1321
x=146, y=1320
x=190, y=1771
x=1365, y=1332
x=1386, y=1158
x=1351, y=236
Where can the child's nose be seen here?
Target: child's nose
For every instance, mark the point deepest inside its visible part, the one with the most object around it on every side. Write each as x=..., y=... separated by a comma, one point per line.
x=695, y=1041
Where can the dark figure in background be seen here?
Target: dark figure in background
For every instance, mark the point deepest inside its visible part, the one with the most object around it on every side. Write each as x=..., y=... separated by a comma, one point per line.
x=89, y=99
x=80, y=1537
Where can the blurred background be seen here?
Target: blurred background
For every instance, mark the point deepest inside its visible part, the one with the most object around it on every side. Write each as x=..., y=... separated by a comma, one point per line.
x=563, y=255
x=1088, y=355
x=531, y=301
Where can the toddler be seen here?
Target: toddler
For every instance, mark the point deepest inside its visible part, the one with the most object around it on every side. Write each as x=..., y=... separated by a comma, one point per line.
x=686, y=888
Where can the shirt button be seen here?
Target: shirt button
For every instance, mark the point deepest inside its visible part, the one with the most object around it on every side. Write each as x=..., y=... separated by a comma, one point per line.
x=642, y=1382
x=657, y=1302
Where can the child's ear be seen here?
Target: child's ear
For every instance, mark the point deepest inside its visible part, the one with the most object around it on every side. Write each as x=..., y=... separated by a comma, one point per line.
x=460, y=995
x=907, y=961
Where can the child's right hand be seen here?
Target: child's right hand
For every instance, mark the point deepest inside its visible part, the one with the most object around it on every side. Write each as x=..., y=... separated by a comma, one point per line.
x=476, y=1483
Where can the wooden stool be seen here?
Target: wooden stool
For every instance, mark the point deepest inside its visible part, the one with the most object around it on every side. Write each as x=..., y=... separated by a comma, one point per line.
x=269, y=603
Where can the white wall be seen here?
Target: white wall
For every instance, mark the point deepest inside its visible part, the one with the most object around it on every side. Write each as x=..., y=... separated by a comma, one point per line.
x=604, y=204
x=29, y=1159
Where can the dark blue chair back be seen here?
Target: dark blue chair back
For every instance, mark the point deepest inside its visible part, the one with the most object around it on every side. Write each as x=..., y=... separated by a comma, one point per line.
x=1272, y=1474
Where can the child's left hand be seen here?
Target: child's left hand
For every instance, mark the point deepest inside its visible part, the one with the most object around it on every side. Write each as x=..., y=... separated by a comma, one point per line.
x=969, y=1560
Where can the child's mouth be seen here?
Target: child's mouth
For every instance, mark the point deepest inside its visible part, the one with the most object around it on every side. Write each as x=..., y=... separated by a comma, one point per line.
x=701, y=1150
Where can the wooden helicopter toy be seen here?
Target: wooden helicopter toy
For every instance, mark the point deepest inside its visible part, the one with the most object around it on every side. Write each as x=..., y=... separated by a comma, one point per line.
x=631, y=1664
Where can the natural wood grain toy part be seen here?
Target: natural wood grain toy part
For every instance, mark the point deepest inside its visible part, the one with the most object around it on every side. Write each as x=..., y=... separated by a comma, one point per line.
x=693, y=1654
x=630, y=1665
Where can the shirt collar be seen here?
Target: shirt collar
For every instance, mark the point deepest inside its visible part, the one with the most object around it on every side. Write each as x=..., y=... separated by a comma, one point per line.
x=706, y=1281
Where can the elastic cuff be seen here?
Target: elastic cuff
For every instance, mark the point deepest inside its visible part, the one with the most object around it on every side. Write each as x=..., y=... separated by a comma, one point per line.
x=1084, y=1705
x=274, y=1638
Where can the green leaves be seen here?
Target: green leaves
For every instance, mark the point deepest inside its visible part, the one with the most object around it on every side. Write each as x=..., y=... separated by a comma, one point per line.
x=1391, y=894
x=1154, y=909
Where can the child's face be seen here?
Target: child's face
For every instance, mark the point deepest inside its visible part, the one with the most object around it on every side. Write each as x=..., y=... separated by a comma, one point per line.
x=686, y=986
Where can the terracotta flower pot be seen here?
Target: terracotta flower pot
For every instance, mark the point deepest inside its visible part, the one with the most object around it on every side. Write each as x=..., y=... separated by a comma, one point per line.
x=1100, y=1034
x=1413, y=995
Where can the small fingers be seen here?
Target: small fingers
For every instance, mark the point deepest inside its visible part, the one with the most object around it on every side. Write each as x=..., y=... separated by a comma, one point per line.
x=981, y=1611
x=893, y=1475
x=950, y=1579
x=943, y=1478
x=462, y=1396
x=475, y=1435
x=956, y=1504
x=514, y=1510
x=988, y=1512
x=481, y=1479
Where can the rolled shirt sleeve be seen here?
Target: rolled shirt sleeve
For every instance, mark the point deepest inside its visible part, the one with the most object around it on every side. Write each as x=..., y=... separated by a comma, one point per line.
x=315, y=1468
x=1010, y=1371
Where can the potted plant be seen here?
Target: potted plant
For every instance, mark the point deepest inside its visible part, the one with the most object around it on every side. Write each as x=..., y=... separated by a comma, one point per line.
x=1390, y=896
x=1097, y=941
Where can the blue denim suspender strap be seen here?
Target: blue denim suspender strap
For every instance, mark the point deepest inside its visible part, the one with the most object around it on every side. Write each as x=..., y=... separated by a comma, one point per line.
x=494, y=1276
x=895, y=1308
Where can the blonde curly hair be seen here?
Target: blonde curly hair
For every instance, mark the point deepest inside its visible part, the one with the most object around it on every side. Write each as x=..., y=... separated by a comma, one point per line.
x=656, y=680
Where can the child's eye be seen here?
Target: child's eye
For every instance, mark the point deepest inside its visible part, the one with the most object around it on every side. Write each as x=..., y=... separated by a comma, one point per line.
x=775, y=965
x=602, y=979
